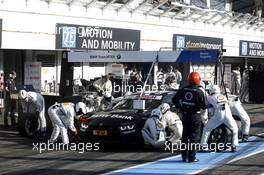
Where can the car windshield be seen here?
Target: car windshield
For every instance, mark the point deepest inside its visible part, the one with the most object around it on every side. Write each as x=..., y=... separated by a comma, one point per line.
x=128, y=104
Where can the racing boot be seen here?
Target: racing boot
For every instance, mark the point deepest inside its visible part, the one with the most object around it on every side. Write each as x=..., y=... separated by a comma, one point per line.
x=244, y=138
x=233, y=149
x=194, y=160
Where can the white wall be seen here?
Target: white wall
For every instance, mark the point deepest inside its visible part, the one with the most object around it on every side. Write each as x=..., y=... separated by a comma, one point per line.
x=32, y=26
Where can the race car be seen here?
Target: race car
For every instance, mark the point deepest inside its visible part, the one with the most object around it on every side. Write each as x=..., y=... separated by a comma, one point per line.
x=123, y=123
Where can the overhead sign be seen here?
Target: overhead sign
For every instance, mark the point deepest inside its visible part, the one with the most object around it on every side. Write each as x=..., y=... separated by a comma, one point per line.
x=0, y=33
x=33, y=75
x=79, y=37
x=251, y=48
x=196, y=42
x=144, y=56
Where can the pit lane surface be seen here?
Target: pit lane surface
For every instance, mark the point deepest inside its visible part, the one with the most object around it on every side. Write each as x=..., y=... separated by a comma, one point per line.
x=17, y=156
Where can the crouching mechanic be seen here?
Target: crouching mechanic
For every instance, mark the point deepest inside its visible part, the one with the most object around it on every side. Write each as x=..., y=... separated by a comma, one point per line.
x=172, y=121
x=39, y=102
x=238, y=110
x=154, y=132
x=62, y=117
x=221, y=114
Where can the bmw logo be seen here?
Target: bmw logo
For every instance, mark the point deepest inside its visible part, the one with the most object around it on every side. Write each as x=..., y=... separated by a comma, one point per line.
x=118, y=57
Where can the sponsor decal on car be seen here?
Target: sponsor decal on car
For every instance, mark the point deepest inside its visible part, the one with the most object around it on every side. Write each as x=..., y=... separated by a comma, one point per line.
x=149, y=97
x=112, y=116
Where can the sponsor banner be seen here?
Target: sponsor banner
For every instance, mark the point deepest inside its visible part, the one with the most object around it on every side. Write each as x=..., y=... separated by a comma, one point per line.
x=196, y=42
x=202, y=56
x=117, y=69
x=144, y=56
x=33, y=75
x=79, y=37
x=251, y=48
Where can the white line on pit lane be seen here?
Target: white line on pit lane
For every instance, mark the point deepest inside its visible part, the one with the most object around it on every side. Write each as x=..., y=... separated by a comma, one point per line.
x=174, y=165
x=141, y=165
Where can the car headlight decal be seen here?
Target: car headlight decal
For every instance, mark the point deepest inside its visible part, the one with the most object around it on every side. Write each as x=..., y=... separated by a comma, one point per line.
x=127, y=127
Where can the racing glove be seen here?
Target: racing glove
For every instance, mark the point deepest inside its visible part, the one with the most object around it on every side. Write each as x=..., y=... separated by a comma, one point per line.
x=83, y=119
x=75, y=132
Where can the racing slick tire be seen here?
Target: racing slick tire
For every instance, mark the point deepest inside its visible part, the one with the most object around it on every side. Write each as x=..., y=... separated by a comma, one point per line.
x=222, y=135
x=28, y=124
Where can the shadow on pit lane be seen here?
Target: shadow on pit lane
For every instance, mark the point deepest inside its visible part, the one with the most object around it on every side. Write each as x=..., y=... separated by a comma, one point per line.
x=54, y=171
x=74, y=159
x=12, y=135
x=131, y=149
x=258, y=125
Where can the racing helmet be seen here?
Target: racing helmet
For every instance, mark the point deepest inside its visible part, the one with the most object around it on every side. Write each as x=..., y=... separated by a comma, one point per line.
x=22, y=94
x=194, y=78
x=156, y=113
x=202, y=84
x=164, y=107
x=228, y=91
x=214, y=89
x=80, y=108
x=107, y=94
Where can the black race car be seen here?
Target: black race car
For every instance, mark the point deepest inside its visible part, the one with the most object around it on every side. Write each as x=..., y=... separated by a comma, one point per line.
x=123, y=123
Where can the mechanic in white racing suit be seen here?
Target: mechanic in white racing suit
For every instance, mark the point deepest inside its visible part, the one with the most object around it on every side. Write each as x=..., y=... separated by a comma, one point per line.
x=104, y=87
x=222, y=114
x=238, y=110
x=204, y=112
x=39, y=102
x=172, y=121
x=154, y=131
x=62, y=117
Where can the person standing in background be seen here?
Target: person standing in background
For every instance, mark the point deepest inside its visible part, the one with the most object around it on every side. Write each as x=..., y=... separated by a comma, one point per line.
x=236, y=81
x=160, y=78
x=10, y=104
x=245, y=85
x=178, y=76
x=2, y=88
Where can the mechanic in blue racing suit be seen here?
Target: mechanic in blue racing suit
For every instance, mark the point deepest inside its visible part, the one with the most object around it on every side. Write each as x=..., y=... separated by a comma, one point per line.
x=154, y=131
x=62, y=117
x=190, y=100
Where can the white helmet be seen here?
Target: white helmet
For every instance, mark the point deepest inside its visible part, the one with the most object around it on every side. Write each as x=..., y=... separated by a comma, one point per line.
x=164, y=107
x=156, y=112
x=228, y=91
x=80, y=108
x=107, y=94
x=214, y=89
x=22, y=94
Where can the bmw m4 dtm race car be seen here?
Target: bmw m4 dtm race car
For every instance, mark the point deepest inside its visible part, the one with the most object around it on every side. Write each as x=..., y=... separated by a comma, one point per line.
x=124, y=122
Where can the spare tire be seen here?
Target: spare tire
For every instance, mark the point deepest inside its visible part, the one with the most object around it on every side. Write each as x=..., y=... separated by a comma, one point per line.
x=28, y=124
x=220, y=136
